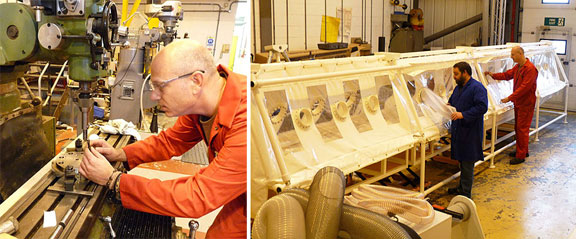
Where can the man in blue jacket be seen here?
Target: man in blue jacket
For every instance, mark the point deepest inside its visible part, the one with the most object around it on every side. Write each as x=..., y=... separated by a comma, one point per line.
x=471, y=102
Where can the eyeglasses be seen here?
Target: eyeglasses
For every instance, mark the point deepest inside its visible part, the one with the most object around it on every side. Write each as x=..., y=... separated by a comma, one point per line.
x=163, y=84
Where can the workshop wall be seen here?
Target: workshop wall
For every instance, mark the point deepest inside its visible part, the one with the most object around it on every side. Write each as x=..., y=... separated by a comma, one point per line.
x=201, y=25
x=300, y=26
x=532, y=18
x=440, y=14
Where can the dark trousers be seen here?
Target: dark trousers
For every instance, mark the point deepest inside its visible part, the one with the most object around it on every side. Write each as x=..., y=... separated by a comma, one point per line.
x=466, y=178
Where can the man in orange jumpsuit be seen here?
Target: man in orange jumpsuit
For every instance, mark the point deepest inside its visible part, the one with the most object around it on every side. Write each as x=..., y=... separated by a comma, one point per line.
x=524, y=74
x=211, y=104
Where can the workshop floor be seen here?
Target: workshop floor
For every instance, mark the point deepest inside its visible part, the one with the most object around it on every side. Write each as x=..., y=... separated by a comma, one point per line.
x=531, y=200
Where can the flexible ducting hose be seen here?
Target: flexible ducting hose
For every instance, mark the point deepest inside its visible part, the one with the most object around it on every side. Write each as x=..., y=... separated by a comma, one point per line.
x=282, y=216
x=368, y=191
x=395, y=201
x=359, y=223
x=325, y=203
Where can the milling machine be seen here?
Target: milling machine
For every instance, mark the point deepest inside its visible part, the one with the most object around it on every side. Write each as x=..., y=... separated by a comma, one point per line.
x=84, y=33
x=129, y=94
x=79, y=31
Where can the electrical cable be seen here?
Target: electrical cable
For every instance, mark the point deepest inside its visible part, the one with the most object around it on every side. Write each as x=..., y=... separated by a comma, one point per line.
x=141, y=101
x=325, y=26
x=362, y=21
x=342, y=21
x=254, y=27
x=129, y=64
x=305, y=26
x=216, y=37
x=273, y=24
x=125, y=72
x=287, y=26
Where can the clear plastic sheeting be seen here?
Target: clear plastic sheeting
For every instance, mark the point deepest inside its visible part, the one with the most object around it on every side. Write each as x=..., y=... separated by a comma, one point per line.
x=430, y=90
x=321, y=112
x=353, y=112
x=498, y=89
x=548, y=76
x=336, y=122
x=353, y=98
x=386, y=100
x=280, y=116
x=436, y=109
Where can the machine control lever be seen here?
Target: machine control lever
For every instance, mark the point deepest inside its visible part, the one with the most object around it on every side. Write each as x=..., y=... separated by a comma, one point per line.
x=454, y=214
x=194, y=225
x=108, y=220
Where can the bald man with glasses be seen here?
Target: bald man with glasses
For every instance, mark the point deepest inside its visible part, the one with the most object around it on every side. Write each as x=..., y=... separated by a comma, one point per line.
x=210, y=103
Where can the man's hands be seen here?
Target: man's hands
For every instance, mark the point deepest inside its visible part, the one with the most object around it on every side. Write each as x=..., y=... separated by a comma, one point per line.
x=505, y=100
x=488, y=73
x=108, y=151
x=457, y=116
x=95, y=167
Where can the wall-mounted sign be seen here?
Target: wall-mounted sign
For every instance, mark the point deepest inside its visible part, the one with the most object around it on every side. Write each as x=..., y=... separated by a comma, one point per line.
x=554, y=21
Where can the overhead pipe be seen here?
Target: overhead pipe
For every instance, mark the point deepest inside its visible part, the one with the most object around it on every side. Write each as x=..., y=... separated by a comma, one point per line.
x=220, y=8
x=453, y=28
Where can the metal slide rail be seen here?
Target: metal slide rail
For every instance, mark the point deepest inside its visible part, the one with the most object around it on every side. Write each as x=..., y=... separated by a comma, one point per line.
x=74, y=212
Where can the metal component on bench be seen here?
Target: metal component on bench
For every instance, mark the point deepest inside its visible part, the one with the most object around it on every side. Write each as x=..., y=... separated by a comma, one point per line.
x=87, y=201
x=194, y=225
x=69, y=178
x=108, y=221
x=84, y=102
x=70, y=158
x=9, y=226
x=78, y=144
x=62, y=224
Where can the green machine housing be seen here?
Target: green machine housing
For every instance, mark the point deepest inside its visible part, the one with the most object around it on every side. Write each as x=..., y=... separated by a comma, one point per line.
x=81, y=32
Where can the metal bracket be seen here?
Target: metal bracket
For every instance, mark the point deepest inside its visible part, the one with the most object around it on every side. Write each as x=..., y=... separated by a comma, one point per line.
x=17, y=113
x=70, y=8
x=60, y=189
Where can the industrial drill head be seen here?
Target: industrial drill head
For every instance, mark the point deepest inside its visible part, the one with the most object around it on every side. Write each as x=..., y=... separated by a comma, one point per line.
x=82, y=32
x=169, y=13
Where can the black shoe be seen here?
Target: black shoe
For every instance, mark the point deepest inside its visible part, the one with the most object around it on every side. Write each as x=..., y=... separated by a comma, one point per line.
x=513, y=154
x=516, y=161
x=454, y=191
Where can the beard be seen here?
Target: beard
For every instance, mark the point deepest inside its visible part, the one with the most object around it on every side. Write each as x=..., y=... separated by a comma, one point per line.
x=460, y=81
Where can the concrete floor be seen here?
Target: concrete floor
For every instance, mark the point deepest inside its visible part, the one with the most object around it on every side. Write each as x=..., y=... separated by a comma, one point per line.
x=535, y=199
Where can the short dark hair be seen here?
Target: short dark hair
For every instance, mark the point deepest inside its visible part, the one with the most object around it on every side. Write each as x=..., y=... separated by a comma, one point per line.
x=464, y=67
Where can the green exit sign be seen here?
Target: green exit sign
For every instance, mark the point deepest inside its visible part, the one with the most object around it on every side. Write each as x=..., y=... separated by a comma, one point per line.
x=554, y=21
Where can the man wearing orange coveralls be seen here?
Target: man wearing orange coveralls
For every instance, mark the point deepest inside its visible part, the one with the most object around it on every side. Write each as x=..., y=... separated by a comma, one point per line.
x=524, y=74
x=210, y=102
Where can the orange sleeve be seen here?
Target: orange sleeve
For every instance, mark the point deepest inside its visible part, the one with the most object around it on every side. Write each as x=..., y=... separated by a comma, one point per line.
x=222, y=181
x=174, y=141
x=507, y=75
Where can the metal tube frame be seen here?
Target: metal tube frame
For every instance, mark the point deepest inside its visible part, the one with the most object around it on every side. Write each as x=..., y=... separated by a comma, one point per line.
x=256, y=84
x=494, y=140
